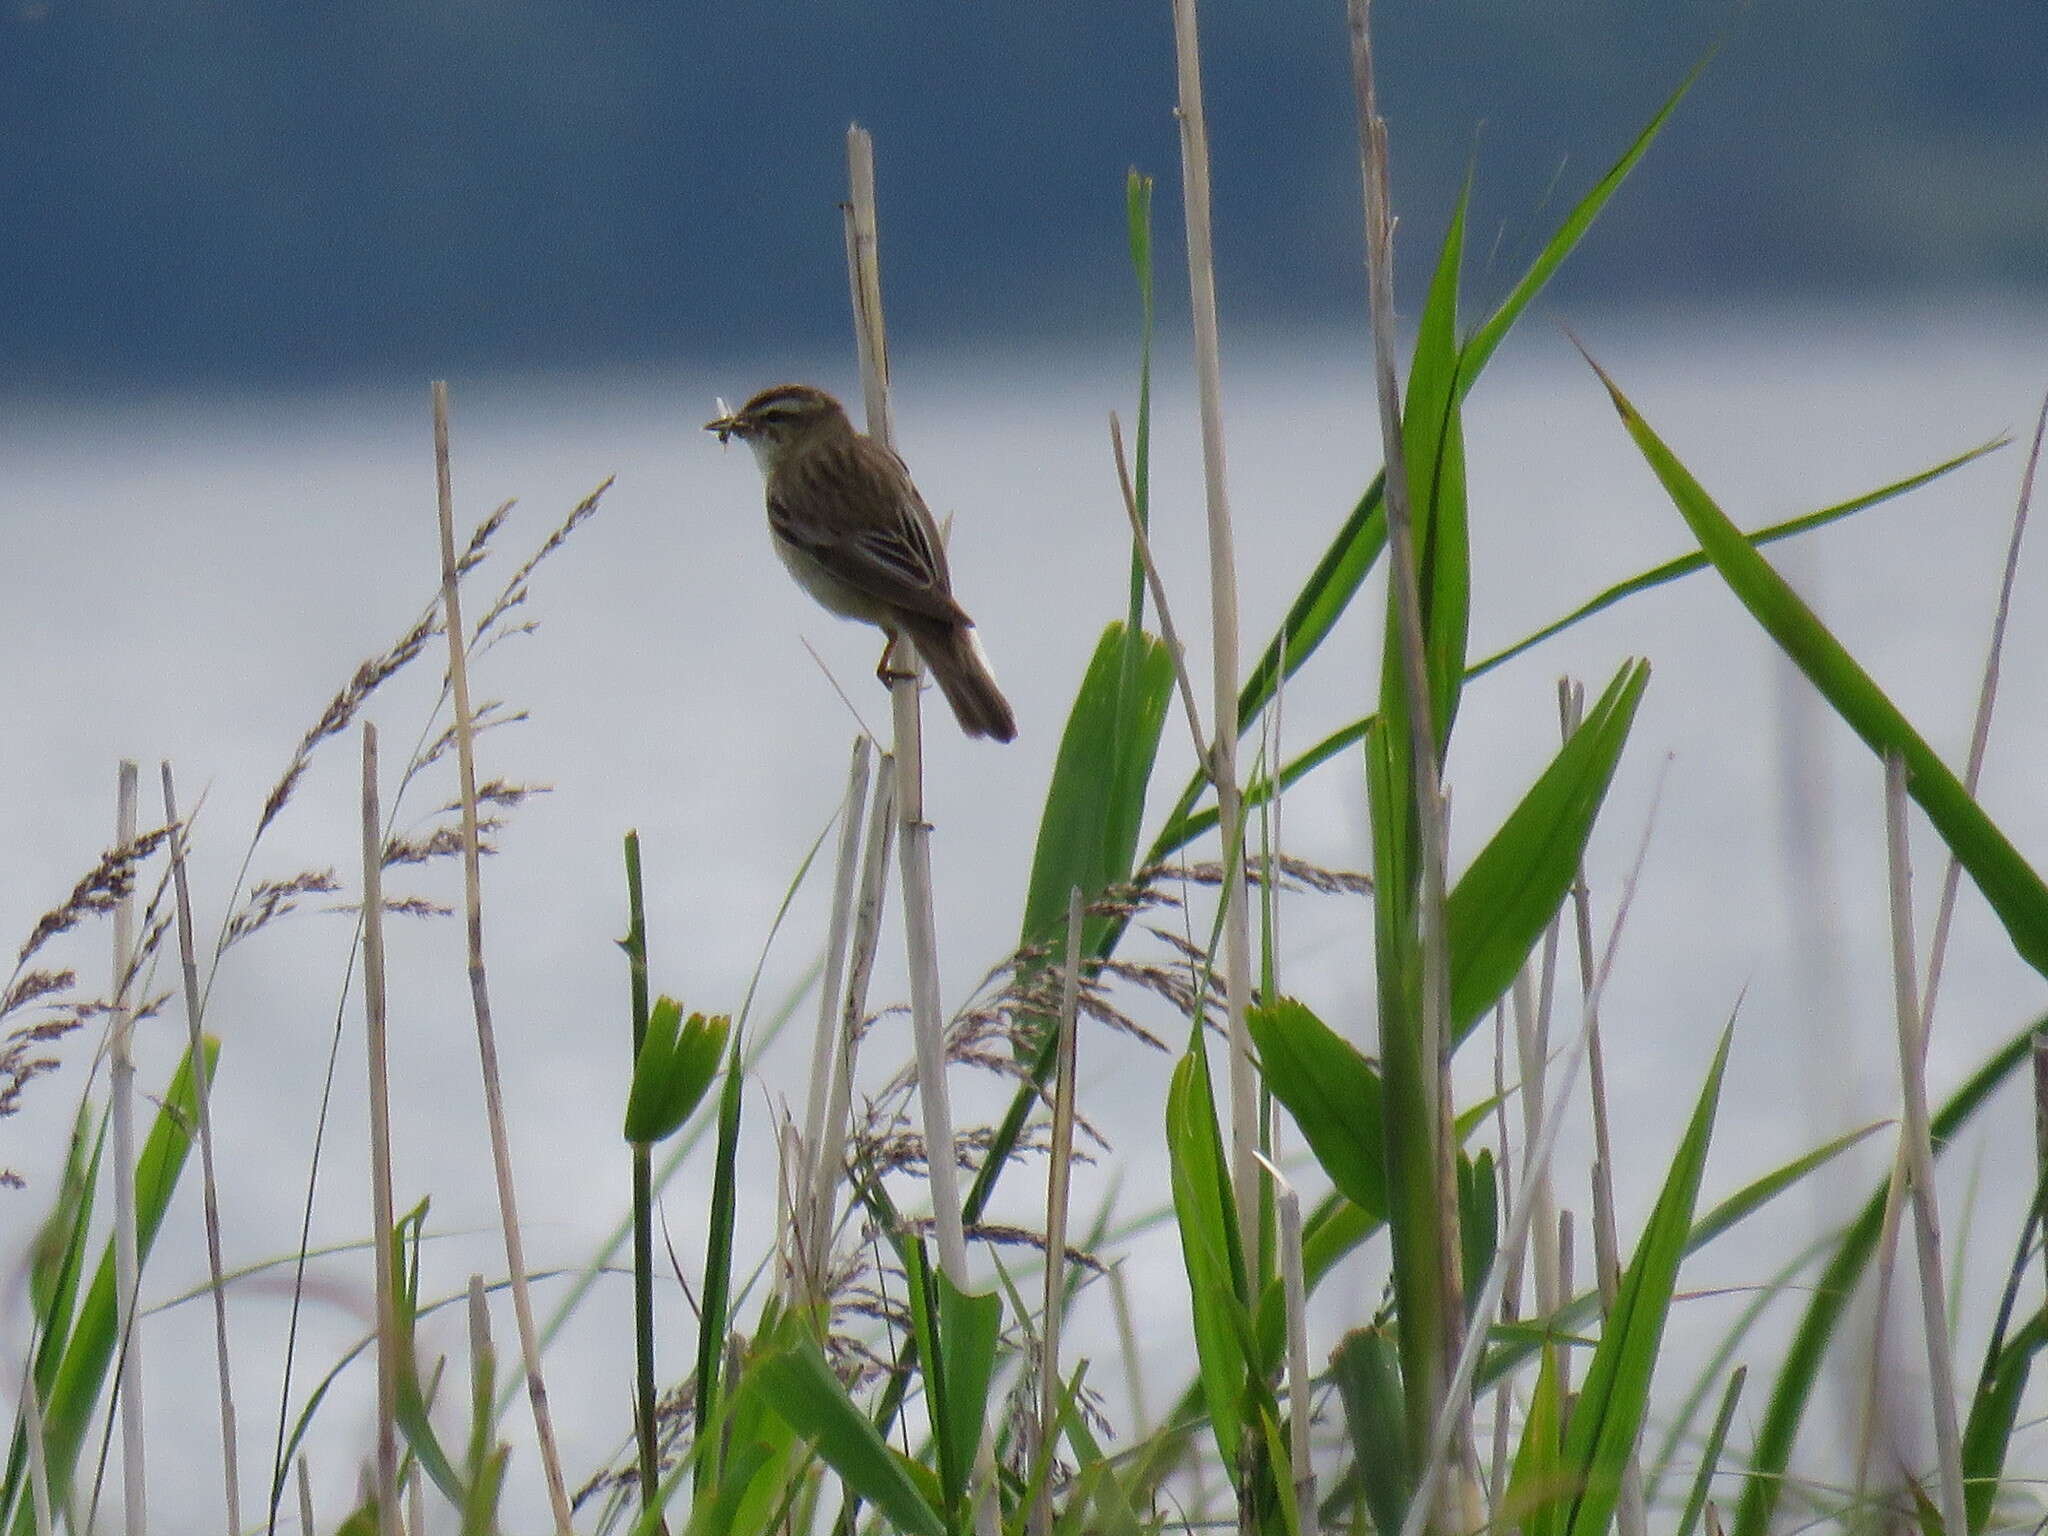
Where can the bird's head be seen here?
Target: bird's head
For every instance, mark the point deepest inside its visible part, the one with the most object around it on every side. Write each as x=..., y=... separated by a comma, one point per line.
x=780, y=419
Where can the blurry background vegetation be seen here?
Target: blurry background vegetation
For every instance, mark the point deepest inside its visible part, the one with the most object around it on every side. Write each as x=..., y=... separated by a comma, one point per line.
x=214, y=190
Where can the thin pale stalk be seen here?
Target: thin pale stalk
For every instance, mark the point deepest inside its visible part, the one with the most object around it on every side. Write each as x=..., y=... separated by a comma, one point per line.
x=1980, y=729
x=202, y=1095
x=808, y=1256
x=1059, y=1186
x=1534, y=1062
x=913, y=847
x=1300, y=1384
x=1235, y=916
x=479, y=986
x=1631, y=1517
x=1141, y=542
x=1444, y=1436
x=127, y=1261
x=382, y=1217
x=1511, y=1293
x=304, y=1474
x=867, y=935
x=416, y=1502
x=1914, y=1130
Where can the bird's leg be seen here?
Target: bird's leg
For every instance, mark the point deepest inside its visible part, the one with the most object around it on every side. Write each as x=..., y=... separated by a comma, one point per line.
x=885, y=673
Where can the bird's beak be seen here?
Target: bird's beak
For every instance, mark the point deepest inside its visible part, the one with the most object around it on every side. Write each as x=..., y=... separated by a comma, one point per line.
x=724, y=426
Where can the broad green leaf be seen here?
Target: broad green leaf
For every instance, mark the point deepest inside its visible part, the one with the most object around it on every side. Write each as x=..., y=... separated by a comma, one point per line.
x=1539, y=1484
x=1508, y=895
x=82, y=1373
x=1607, y=1419
x=1369, y=1384
x=674, y=1068
x=1416, y=1220
x=1333, y=1094
x=797, y=1383
x=2008, y=882
x=969, y=1325
x=1478, y=1221
x=1434, y=445
x=1206, y=1216
x=1089, y=833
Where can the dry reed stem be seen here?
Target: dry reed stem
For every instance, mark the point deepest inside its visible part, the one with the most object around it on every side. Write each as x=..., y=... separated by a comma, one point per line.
x=479, y=987
x=1631, y=1517
x=808, y=1255
x=1059, y=1186
x=1235, y=916
x=866, y=941
x=1980, y=729
x=913, y=850
x=1450, y=1421
x=1300, y=1383
x=1980, y=733
x=202, y=1094
x=305, y=1482
x=1915, y=1132
x=127, y=1260
x=1153, y=580
x=377, y=1041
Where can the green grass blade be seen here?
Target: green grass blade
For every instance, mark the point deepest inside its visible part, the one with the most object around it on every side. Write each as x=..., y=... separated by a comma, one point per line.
x=1507, y=896
x=1186, y=823
x=1803, y=1358
x=1608, y=1417
x=1993, y=1413
x=711, y=1320
x=1480, y=349
x=2008, y=882
x=82, y=1373
x=799, y=1385
x=1208, y=1236
x=1539, y=1484
x=1332, y=1092
x=1686, y=565
x=1710, y=1459
x=1089, y=833
x=1435, y=452
x=1369, y=1385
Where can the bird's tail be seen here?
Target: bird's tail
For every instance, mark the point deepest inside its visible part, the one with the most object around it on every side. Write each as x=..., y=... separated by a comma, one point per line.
x=960, y=667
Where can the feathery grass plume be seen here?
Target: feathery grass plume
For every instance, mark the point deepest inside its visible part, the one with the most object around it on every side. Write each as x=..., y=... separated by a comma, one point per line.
x=1299, y=875
x=443, y=842
x=272, y=899
x=24, y=1053
x=343, y=708
x=97, y=893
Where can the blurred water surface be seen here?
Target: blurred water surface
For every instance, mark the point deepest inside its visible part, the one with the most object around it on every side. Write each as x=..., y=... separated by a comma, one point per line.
x=192, y=579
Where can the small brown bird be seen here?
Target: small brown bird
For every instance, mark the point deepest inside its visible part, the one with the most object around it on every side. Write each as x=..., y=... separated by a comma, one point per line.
x=855, y=534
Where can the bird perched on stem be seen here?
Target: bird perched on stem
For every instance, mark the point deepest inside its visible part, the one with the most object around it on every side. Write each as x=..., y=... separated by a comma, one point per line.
x=855, y=534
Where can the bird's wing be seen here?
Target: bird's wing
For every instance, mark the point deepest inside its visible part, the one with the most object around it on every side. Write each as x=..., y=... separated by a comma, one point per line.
x=880, y=538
